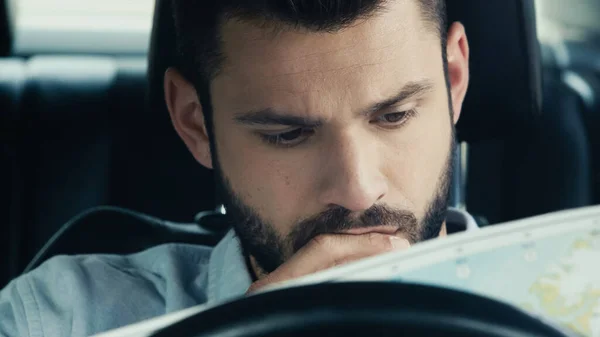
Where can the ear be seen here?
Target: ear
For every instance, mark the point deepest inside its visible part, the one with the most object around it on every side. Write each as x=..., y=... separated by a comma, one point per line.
x=457, y=51
x=187, y=116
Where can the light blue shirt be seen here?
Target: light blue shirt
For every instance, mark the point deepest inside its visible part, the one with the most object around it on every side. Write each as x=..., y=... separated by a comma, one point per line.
x=88, y=294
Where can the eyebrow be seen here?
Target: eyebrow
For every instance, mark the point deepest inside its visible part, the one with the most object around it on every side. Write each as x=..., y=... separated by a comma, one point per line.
x=409, y=91
x=270, y=116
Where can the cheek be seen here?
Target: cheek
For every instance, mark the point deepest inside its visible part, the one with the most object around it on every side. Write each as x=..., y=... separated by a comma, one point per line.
x=274, y=184
x=416, y=160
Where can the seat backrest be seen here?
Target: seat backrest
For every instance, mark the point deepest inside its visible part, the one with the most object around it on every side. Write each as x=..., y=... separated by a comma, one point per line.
x=546, y=170
x=87, y=137
x=518, y=166
x=12, y=79
x=113, y=230
x=559, y=152
x=65, y=142
x=586, y=82
x=578, y=65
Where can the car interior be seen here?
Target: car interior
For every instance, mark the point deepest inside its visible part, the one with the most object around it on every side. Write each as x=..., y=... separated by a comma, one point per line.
x=90, y=162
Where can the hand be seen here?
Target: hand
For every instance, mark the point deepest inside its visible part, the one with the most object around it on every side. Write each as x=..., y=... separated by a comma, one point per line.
x=330, y=250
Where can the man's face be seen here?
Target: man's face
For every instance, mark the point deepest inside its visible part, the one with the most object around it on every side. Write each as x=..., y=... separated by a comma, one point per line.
x=348, y=132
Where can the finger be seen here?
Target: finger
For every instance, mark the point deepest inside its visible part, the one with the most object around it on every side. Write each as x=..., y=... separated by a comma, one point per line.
x=329, y=250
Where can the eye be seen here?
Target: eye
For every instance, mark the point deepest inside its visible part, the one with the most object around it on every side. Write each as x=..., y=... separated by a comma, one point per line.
x=394, y=118
x=288, y=138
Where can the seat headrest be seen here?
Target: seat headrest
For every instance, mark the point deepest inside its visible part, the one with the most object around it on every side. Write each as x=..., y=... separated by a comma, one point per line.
x=504, y=95
x=505, y=90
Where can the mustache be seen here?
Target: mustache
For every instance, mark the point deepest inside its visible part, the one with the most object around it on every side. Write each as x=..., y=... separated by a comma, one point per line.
x=338, y=219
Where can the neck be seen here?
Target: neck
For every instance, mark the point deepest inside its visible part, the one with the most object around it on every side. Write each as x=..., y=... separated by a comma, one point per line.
x=256, y=271
x=444, y=230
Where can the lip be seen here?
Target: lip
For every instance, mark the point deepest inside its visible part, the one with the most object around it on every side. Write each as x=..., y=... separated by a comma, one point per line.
x=389, y=230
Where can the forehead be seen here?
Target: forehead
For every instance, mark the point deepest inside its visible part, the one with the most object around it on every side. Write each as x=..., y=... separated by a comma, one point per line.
x=395, y=45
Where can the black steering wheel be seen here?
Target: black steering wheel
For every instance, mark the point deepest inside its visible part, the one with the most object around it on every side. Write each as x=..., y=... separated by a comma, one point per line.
x=362, y=309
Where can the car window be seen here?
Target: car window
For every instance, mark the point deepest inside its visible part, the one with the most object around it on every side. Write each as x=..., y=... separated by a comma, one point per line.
x=574, y=20
x=82, y=26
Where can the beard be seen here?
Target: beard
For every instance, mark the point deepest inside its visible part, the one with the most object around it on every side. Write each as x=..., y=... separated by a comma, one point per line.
x=270, y=250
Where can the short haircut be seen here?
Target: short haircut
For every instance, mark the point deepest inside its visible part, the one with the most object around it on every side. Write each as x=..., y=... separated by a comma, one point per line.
x=197, y=25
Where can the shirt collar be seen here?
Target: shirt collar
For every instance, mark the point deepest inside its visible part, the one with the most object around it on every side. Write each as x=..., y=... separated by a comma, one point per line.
x=228, y=275
x=458, y=220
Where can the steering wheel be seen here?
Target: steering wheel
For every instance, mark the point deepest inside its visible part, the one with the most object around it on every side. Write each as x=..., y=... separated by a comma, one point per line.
x=362, y=309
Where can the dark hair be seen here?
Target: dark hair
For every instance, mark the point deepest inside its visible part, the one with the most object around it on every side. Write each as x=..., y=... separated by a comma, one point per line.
x=198, y=22
x=197, y=26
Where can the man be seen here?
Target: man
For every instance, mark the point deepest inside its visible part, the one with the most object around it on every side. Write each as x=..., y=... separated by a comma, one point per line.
x=330, y=126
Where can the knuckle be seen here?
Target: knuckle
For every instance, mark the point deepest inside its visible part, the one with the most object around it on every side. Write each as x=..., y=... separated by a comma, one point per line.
x=338, y=261
x=373, y=238
x=380, y=241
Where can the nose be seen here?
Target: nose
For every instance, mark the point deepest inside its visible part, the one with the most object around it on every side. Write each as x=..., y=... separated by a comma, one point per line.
x=351, y=175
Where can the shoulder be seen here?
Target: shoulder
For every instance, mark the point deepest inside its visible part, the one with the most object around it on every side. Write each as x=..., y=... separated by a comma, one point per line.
x=86, y=294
